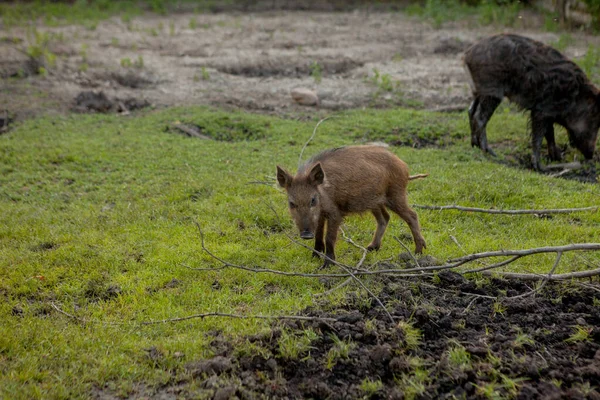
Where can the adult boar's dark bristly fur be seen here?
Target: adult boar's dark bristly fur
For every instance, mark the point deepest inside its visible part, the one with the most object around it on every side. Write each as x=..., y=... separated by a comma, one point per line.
x=349, y=180
x=539, y=79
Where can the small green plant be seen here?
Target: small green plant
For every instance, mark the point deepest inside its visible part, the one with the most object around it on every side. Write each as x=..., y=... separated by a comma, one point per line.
x=292, y=346
x=139, y=63
x=38, y=49
x=490, y=390
x=522, y=339
x=564, y=41
x=370, y=388
x=397, y=57
x=414, y=384
x=498, y=308
x=511, y=385
x=83, y=67
x=114, y=42
x=83, y=51
x=153, y=32
x=340, y=350
x=193, y=24
x=126, y=62
x=459, y=357
x=316, y=71
x=251, y=349
x=412, y=335
x=557, y=382
x=205, y=74
x=370, y=326
x=171, y=28
x=493, y=359
x=581, y=334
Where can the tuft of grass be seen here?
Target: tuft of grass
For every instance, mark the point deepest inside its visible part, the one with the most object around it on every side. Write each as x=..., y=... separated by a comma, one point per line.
x=340, y=350
x=316, y=71
x=580, y=334
x=292, y=346
x=412, y=335
x=522, y=339
x=371, y=387
x=484, y=12
x=459, y=357
x=564, y=40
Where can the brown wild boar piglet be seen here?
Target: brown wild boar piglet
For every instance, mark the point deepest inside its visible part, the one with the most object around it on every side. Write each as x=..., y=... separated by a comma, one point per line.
x=348, y=180
x=540, y=79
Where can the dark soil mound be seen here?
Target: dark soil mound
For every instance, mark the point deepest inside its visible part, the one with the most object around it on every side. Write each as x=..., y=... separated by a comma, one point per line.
x=89, y=101
x=449, y=341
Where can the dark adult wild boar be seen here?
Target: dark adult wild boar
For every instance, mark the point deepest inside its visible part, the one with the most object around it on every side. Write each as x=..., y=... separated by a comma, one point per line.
x=348, y=180
x=539, y=79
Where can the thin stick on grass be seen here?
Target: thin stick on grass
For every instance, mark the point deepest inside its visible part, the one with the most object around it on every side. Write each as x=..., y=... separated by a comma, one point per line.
x=510, y=212
x=239, y=316
x=309, y=139
x=409, y=252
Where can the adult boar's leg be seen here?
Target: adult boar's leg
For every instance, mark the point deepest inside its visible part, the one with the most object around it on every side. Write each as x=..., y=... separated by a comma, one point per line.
x=539, y=127
x=480, y=112
x=553, y=151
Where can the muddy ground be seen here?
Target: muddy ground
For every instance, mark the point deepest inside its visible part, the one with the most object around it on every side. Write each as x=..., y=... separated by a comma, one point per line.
x=248, y=60
x=462, y=344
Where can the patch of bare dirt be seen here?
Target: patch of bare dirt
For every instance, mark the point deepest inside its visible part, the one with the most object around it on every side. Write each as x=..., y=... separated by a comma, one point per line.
x=465, y=346
x=250, y=60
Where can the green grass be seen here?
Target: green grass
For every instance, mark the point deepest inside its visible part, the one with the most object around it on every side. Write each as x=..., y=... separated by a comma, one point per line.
x=485, y=12
x=90, y=12
x=98, y=217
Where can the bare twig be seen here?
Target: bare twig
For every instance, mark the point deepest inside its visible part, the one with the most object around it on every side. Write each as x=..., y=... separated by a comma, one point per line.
x=409, y=252
x=348, y=239
x=496, y=265
x=82, y=320
x=511, y=212
x=545, y=280
x=311, y=138
x=238, y=316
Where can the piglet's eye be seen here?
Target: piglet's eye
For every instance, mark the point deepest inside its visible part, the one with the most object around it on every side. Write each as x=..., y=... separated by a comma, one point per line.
x=313, y=201
x=292, y=204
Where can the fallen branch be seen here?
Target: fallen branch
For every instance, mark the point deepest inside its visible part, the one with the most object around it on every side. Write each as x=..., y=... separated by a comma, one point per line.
x=502, y=211
x=526, y=252
x=557, y=277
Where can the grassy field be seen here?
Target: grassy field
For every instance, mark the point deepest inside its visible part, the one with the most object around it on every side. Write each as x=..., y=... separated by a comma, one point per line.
x=98, y=219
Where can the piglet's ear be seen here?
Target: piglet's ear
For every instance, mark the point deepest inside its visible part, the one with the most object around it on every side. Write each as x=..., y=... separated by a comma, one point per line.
x=316, y=175
x=283, y=177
